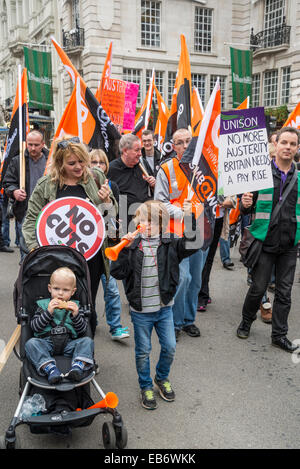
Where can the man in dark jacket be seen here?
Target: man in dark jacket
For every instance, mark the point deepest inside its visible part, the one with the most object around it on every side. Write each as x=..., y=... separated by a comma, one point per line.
x=35, y=162
x=127, y=174
x=280, y=241
x=150, y=155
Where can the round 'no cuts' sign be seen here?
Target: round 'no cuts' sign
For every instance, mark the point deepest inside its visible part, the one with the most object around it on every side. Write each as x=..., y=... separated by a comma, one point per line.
x=74, y=222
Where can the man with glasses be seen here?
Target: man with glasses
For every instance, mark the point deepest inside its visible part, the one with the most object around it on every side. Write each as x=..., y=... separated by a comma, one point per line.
x=172, y=188
x=150, y=155
x=35, y=162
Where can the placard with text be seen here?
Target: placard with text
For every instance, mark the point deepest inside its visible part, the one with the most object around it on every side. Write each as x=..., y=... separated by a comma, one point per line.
x=244, y=161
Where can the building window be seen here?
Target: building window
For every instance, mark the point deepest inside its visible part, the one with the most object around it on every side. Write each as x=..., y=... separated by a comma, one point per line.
x=255, y=90
x=135, y=76
x=270, y=88
x=203, y=30
x=75, y=15
x=274, y=13
x=198, y=81
x=171, y=84
x=213, y=79
x=285, y=85
x=150, y=23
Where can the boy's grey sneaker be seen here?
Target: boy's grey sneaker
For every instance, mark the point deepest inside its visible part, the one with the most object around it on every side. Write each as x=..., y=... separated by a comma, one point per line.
x=148, y=399
x=165, y=389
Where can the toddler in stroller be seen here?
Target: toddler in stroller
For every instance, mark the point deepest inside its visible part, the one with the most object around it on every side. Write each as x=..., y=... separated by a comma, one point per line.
x=66, y=392
x=57, y=323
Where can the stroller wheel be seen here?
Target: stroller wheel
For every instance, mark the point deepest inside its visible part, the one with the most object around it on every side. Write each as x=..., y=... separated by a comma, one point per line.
x=13, y=444
x=122, y=437
x=109, y=436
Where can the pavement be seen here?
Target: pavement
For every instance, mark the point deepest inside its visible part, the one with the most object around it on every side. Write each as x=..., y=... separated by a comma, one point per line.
x=230, y=393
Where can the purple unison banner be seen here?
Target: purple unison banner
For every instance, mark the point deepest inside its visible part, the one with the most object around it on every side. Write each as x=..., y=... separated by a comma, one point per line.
x=244, y=162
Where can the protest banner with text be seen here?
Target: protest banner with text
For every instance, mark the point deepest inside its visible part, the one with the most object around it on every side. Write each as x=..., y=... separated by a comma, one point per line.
x=244, y=162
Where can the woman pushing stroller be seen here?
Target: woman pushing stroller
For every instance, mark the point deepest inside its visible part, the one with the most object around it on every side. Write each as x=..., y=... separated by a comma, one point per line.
x=70, y=176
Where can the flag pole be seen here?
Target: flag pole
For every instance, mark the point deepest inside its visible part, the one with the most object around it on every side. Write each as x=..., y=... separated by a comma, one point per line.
x=21, y=148
x=149, y=100
x=78, y=109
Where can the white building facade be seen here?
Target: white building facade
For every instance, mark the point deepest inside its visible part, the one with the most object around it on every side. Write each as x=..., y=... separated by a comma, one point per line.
x=146, y=35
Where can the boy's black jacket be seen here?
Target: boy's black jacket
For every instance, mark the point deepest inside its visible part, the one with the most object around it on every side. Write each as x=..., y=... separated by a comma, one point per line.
x=170, y=253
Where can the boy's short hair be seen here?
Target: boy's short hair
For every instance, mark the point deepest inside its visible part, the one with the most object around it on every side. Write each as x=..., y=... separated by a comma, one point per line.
x=153, y=210
x=64, y=272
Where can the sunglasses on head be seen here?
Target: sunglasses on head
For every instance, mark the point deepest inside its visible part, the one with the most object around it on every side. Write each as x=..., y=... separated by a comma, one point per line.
x=64, y=143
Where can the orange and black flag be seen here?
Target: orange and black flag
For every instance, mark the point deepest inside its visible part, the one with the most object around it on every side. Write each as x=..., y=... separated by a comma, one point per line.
x=180, y=112
x=12, y=145
x=167, y=147
x=162, y=119
x=98, y=130
x=105, y=73
x=184, y=88
x=200, y=162
x=142, y=117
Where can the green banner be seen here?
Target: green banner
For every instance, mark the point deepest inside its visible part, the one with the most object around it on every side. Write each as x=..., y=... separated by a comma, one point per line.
x=39, y=77
x=241, y=73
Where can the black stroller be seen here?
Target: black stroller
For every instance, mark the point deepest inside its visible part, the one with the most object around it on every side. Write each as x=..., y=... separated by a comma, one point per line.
x=64, y=398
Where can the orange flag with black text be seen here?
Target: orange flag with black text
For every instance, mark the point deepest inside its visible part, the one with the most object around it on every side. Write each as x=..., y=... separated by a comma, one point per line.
x=106, y=73
x=200, y=162
x=162, y=119
x=12, y=144
x=99, y=131
x=294, y=118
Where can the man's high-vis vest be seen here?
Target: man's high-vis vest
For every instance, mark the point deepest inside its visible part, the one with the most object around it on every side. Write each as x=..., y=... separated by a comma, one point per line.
x=259, y=228
x=179, y=191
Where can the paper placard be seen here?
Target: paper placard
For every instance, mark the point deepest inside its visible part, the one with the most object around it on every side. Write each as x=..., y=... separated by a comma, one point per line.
x=244, y=162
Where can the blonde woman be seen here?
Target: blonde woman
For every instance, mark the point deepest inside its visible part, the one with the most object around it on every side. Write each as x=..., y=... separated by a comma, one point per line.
x=70, y=175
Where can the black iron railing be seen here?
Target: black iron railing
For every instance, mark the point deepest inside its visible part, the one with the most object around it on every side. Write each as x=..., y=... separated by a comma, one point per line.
x=73, y=38
x=272, y=37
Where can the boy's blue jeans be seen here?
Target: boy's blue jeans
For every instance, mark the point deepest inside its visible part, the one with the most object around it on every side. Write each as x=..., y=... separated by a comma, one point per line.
x=112, y=302
x=143, y=324
x=40, y=351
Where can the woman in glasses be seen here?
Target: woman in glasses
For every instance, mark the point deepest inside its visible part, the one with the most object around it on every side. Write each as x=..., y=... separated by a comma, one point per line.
x=70, y=176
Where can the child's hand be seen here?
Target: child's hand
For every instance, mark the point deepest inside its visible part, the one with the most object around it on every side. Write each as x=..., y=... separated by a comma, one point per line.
x=52, y=305
x=73, y=308
x=187, y=207
x=130, y=237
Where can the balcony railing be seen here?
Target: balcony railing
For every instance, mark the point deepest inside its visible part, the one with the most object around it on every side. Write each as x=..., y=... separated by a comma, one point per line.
x=272, y=37
x=73, y=39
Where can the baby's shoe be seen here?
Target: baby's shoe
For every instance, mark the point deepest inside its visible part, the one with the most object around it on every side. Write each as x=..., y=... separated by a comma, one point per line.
x=76, y=372
x=53, y=373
